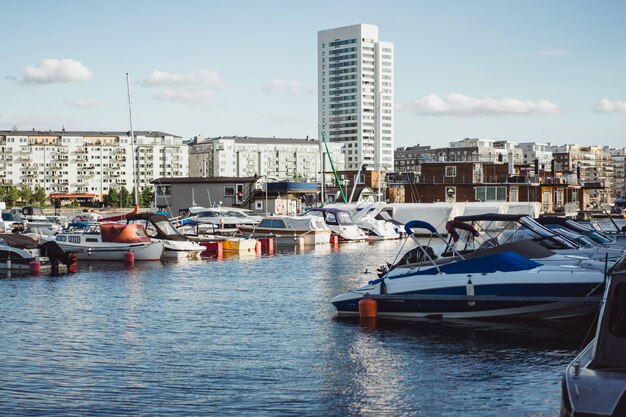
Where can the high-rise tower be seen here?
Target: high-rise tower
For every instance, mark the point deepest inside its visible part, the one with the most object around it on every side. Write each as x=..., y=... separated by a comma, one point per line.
x=355, y=94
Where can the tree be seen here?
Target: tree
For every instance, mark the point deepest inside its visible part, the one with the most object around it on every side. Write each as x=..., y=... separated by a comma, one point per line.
x=40, y=196
x=12, y=195
x=26, y=193
x=125, y=198
x=146, y=197
x=113, y=198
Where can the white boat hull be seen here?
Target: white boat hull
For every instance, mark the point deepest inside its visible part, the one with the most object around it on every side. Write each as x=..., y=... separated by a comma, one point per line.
x=115, y=251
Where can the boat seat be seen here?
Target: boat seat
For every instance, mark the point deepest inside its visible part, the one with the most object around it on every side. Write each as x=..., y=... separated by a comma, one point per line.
x=416, y=256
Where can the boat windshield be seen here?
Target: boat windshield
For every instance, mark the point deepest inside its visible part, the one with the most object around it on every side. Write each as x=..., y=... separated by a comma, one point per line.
x=344, y=218
x=235, y=214
x=12, y=217
x=166, y=227
x=208, y=214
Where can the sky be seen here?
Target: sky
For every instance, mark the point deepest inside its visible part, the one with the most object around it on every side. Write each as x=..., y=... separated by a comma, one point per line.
x=545, y=71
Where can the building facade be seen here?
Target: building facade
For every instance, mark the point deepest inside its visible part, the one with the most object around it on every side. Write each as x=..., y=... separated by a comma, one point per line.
x=88, y=162
x=289, y=159
x=355, y=94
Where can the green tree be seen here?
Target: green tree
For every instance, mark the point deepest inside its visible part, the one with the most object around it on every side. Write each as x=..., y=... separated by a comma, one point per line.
x=12, y=195
x=26, y=193
x=146, y=197
x=125, y=198
x=40, y=196
x=113, y=198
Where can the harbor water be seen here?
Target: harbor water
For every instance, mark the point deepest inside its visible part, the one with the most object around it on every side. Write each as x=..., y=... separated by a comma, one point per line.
x=257, y=335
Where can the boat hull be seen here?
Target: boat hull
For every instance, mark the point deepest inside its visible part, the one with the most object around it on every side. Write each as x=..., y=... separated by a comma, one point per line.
x=523, y=295
x=288, y=236
x=115, y=251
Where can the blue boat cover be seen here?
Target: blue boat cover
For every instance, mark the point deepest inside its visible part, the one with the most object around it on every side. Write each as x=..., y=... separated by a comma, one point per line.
x=418, y=224
x=498, y=262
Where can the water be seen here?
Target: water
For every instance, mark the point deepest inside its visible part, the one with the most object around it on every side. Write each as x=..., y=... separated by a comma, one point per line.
x=258, y=336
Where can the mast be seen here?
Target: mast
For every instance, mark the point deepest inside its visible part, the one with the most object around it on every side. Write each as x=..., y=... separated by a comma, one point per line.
x=322, y=200
x=132, y=144
x=343, y=196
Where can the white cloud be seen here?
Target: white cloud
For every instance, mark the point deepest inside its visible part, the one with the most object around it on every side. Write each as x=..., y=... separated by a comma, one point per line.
x=191, y=97
x=610, y=106
x=460, y=105
x=203, y=77
x=289, y=87
x=553, y=52
x=84, y=103
x=50, y=71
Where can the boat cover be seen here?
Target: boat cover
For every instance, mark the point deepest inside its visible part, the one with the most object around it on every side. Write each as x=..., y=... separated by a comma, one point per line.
x=498, y=262
x=19, y=241
x=124, y=233
x=162, y=225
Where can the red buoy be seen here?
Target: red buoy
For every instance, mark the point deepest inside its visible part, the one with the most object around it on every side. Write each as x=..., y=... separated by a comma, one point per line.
x=129, y=258
x=334, y=240
x=34, y=267
x=73, y=264
x=368, y=308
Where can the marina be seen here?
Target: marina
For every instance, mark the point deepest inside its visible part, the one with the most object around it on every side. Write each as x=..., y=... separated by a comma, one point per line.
x=258, y=336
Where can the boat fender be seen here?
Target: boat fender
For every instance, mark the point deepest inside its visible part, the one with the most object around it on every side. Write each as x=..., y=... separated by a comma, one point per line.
x=368, y=308
x=34, y=268
x=469, y=290
x=129, y=259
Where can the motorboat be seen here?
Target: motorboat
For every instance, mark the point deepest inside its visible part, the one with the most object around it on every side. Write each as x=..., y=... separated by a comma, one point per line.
x=13, y=222
x=562, y=223
x=110, y=242
x=36, y=221
x=17, y=251
x=376, y=223
x=340, y=223
x=506, y=228
x=480, y=285
x=594, y=383
x=287, y=229
x=159, y=228
x=246, y=214
x=219, y=220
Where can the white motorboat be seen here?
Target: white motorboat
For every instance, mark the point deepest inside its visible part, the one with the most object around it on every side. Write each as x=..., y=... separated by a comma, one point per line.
x=475, y=286
x=287, y=229
x=340, y=223
x=219, y=220
x=18, y=251
x=159, y=229
x=110, y=242
x=36, y=221
x=370, y=218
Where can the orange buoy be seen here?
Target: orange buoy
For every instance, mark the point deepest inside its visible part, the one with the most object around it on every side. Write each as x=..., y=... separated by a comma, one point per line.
x=368, y=308
x=73, y=264
x=257, y=246
x=334, y=240
x=129, y=258
x=34, y=267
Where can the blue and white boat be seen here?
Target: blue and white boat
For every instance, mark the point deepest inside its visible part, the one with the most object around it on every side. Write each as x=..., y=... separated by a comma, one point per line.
x=480, y=285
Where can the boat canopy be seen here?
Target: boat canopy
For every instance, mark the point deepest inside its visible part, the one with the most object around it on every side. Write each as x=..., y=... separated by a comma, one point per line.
x=124, y=233
x=452, y=225
x=418, y=224
x=157, y=226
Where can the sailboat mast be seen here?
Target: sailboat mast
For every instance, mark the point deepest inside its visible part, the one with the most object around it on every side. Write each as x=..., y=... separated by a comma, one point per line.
x=132, y=144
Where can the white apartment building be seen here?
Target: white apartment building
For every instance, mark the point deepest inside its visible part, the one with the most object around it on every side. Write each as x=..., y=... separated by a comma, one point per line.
x=536, y=151
x=475, y=149
x=619, y=171
x=355, y=94
x=88, y=162
x=287, y=159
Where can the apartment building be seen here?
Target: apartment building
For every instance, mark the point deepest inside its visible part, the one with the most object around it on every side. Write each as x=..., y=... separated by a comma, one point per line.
x=88, y=162
x=355, y=94
x=285, y=158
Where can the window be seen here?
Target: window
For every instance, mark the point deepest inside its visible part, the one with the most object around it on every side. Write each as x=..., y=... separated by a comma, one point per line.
x=229, y=191
x=258, y=205
x=490, y=193
x=450, y=171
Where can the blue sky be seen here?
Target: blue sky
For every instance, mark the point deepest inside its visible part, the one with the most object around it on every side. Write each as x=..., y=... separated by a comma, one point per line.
x=552, y=71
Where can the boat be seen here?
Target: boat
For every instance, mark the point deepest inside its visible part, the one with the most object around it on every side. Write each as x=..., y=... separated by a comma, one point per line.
x=159, y=229
x=219, y=220
x=340, y=223
x=506, y=228
x=18, y=251
x=288, y=229
x=13, y=222
x=36, y=221
x=480, y=285
x=594, y=383
x=556, y=223
x=376, y=223
x=110, y=242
